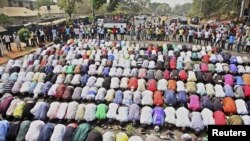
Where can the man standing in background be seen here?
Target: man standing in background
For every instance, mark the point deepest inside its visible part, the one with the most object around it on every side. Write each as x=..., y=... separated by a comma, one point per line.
x=17, y=41
x=7, y=42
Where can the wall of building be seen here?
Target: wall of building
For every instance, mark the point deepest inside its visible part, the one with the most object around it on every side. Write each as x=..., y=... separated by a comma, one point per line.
x=3, y=3
x=27, y=4
x=245, y=7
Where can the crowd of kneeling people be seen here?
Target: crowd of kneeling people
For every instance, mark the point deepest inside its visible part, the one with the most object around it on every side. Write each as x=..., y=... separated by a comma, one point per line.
x=118, y=81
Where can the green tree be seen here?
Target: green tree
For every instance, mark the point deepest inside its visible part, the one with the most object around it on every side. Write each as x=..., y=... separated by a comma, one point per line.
x=215, y=8
x=4, y=19
x=112, y=5
x=98, y=3
x=40, y=3
x=160, y=8
x=69, y=6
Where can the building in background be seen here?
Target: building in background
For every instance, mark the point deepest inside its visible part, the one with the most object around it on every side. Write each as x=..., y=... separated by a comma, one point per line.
x=245, y=9
x=30, y=4
x=3, y=3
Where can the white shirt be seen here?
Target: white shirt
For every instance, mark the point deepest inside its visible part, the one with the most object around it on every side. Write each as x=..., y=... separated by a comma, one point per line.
x=207, y=116
x=85, y=92
x=99, y=82
x=141, y=85
x=90, y=110
x=112, y=72
x=147, y=98
x=206, y=34
x=241, y=107
x=219, y=91
x=100, y=94
x=7, y=38
x=58, y=132
x=122, y=114
x=52, y=90
x=170, y=115
x=161, y=85
x=25, y=87
x=51, y=114
x=146, y=115
x=182, y=117
x=201, y=88
x=76, y=79
x=108, y=136
x=180, y=86
x=112, y=110
x=71, y=111
x=246, y=119
x=124, y=83
x=34, y=130
x=38, y=88
x=62, y=110
x=115, y=81
x=126, y=72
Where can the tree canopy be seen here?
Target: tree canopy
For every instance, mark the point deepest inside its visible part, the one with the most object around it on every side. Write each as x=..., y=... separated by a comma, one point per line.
x=4, y=19
x=160, y=8
x=216, y=8
x=69, y=6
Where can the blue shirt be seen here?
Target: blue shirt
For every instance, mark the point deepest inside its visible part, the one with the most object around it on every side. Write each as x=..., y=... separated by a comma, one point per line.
x=239, y=80
x=4, y=125
x=170, y=98
x=67, y=31
x=118, y=97
x=231, y=39
x=106, y=71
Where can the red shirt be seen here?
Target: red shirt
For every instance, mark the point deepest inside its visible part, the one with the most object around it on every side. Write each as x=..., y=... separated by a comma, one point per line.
x=219, y=118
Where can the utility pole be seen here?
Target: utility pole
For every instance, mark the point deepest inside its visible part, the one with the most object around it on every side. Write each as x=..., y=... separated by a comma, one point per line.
x=200, y=11
x=93, y=10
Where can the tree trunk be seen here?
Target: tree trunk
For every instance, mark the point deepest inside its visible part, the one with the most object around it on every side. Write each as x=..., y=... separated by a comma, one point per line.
x=70, y=15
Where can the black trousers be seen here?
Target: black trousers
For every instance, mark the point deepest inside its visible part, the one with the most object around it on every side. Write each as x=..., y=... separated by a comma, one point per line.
x=8, y=47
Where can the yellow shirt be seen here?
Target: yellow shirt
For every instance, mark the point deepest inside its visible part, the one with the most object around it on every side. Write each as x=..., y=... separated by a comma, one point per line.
x=181, y=32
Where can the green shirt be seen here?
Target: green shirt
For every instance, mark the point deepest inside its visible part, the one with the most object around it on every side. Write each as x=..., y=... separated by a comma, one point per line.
x=101, y=111
x=70, y=69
